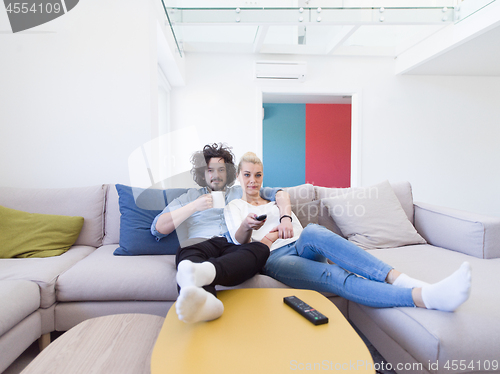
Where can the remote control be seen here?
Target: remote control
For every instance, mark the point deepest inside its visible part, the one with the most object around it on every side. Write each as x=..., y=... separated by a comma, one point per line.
x=261, y=217
x=311, y=314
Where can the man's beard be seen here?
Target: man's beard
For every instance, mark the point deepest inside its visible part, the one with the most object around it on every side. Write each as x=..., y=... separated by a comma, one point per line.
x=217, y=187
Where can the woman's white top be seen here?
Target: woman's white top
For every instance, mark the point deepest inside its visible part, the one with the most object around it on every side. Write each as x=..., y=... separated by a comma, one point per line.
x=236, y=211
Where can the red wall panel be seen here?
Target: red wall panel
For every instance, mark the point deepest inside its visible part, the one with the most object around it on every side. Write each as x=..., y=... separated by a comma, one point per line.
x=328, y=145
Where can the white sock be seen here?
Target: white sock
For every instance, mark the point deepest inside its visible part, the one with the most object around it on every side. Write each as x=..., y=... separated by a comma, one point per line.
x=195, y=274
x=405, y=281
x=194, y=304
x=448, y=294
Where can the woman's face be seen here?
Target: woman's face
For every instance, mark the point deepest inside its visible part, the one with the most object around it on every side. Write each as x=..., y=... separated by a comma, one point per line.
x=251, y=178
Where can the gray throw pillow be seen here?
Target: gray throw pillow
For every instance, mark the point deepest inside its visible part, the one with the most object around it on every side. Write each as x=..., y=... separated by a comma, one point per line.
x=372, y=217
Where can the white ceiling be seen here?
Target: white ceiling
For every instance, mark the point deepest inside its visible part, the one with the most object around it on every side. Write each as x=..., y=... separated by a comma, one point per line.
x=292, y=98
x=477, y=54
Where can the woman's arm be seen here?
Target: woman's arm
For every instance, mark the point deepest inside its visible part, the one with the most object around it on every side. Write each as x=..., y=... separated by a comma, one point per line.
x=285, y=228
x=271, y=237
x=244, y=232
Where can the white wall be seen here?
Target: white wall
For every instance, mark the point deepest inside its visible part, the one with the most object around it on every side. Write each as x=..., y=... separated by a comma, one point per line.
x=440, y=133
x=76, y=95
x=75, y=102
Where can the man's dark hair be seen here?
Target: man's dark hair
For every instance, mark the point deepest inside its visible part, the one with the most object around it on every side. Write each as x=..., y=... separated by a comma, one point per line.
x=201, y=159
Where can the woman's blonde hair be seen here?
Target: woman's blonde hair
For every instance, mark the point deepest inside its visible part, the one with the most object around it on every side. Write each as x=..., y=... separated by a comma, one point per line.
x=249, y=157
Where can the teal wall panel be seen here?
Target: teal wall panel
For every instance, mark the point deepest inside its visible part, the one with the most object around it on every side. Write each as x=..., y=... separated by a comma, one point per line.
x=284, y=144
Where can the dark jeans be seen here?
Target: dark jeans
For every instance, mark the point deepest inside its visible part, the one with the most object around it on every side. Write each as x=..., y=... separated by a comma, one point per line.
x=233, y=263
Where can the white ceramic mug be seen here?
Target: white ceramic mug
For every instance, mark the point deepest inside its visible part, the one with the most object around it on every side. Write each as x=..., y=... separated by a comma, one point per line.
x=219, y=200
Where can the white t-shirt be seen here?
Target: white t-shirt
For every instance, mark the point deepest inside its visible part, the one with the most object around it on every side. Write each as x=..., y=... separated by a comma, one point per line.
x=236, y=211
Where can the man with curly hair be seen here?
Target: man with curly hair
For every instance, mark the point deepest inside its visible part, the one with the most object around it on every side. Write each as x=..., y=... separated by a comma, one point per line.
x=210, y=257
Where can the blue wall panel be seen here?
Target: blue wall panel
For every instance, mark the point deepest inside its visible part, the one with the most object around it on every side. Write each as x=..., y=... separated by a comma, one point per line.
x=284, y=144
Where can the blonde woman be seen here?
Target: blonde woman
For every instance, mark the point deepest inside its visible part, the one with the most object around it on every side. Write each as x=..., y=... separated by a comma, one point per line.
x=301, y=261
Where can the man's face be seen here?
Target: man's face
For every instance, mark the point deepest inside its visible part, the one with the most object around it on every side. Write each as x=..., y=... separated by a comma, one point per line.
x=215, y=174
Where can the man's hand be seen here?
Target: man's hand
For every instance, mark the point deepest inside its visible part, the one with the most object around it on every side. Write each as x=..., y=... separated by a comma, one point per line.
x=285, y=228
x=203, y=202
x=169, y=221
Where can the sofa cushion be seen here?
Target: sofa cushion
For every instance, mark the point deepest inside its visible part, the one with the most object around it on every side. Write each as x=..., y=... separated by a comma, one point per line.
x=304, y=205
x=25, y=234
x=42, y=271
x=19, y=298
x=308, y=212
x=86, y=202
x=301, y=194
x=17, y=340
x=470, y=233
x=372, y=217
x=101, y=276
x=138, y=208
x=401, y=189
x=471, y=333
x=111, y=217
x=325, y=220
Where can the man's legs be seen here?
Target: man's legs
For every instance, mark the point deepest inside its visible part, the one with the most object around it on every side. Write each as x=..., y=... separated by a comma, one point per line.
x=238, y=263
x=233, y=263
x=204, y=265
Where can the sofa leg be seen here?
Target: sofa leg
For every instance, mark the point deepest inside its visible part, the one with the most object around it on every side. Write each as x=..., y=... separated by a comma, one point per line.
x=44, y=341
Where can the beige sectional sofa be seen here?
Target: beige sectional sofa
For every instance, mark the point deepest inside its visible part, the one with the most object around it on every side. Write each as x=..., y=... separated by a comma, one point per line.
x=40, y=295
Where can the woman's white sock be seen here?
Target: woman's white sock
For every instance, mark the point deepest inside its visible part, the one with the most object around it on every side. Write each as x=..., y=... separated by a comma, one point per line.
x=448, y=294
x=405, y=281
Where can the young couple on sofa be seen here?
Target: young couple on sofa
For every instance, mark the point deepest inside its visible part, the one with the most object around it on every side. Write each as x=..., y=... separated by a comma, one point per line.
x=229, y=245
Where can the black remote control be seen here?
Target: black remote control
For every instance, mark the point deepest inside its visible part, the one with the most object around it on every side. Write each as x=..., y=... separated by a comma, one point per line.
x=261, y=217
x=311, y=314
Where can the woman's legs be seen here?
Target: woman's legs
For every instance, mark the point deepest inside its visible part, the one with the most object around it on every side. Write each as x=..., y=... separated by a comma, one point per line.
x=297, y=265
x=317, y=239
x=288, y=267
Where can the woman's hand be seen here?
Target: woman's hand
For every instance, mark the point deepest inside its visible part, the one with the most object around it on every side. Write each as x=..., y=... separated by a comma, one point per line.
x=271, y=237
x=251, y=223
x=285, y=228
x=244, y=232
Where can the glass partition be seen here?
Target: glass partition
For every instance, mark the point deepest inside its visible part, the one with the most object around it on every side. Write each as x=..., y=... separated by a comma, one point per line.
x=307, y=26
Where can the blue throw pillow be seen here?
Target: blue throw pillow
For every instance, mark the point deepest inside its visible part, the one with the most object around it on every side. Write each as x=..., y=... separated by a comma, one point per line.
x=138, y=208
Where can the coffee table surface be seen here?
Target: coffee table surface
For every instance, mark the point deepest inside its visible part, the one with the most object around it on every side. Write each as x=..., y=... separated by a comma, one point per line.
x=258, y=333
x=120, y=344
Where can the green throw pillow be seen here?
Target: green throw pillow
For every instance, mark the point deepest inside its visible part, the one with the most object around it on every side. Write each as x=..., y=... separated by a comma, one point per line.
x=25, y=234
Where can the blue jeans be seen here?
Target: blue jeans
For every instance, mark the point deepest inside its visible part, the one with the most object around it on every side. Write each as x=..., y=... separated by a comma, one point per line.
x=355, y=275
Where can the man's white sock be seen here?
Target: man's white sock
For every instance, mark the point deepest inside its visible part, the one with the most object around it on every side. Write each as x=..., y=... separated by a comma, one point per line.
x=405, y=281
x=448, y=294
x=194, y=304
x=195, y=274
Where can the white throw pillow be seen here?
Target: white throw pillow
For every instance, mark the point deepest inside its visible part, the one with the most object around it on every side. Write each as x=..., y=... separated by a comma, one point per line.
x=372, y=217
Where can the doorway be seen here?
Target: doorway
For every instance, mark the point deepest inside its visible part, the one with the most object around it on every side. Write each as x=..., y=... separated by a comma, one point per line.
x=308, y=139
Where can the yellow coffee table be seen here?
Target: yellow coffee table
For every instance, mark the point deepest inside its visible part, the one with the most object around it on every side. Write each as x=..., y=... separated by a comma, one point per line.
x=258, y=333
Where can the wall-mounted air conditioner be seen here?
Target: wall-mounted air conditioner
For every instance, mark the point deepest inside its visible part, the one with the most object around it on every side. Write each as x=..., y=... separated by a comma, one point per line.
x=281, y=70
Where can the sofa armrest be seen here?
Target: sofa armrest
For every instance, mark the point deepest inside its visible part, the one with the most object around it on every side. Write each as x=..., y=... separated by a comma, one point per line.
x=473, y=234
